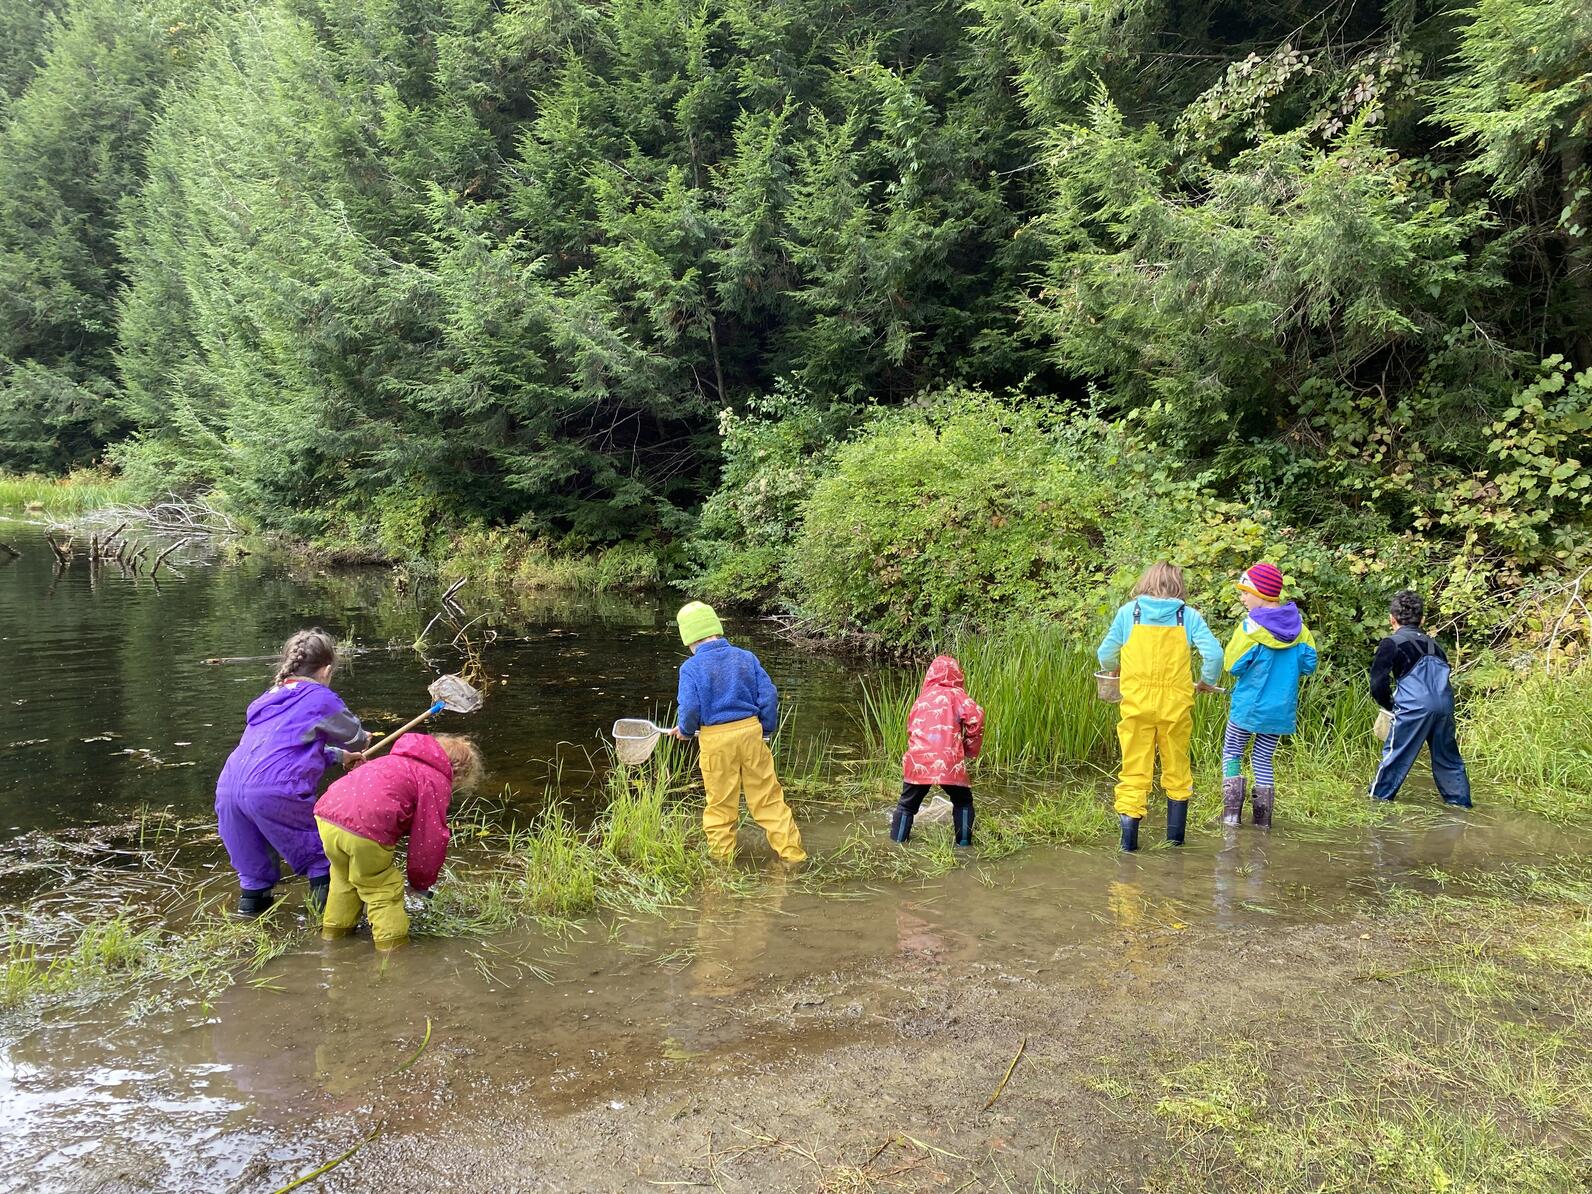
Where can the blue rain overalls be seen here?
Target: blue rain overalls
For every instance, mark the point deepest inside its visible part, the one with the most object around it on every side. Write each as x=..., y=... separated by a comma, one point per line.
x=1423, y=713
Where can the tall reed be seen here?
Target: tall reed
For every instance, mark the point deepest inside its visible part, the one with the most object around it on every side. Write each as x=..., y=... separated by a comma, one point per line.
x=1038, y=692
x=76, y=493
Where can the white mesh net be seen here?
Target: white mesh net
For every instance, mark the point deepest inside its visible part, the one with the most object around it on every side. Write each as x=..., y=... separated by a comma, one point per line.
x=456, y=696
x=634, y=740
x=935, y=811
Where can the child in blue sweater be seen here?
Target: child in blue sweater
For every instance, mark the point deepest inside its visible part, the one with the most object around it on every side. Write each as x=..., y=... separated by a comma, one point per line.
x=728, y=703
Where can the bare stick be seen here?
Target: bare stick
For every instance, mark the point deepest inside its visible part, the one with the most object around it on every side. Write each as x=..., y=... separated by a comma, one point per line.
x=1553, y=635
x=1020, y=1050
x=161, y=558
x=105, y=544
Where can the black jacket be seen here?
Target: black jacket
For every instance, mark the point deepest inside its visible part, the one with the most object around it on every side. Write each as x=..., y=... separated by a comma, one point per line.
x=1395, y=656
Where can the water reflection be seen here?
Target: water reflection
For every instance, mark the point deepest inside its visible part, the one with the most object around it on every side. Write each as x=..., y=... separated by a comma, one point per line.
x=110, y=705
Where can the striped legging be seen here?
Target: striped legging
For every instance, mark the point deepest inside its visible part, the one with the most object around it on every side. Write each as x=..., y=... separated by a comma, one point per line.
x=1233, y=754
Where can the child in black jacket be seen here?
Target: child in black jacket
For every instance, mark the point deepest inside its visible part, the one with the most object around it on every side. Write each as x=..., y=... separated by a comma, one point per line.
x=1422, y=705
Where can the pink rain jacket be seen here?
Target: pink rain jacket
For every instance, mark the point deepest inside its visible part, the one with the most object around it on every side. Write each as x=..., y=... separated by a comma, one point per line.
x=944, y=730
x=405, y=792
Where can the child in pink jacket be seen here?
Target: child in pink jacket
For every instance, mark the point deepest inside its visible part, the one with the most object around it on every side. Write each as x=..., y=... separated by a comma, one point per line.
x=363, y=816
x=944, y=730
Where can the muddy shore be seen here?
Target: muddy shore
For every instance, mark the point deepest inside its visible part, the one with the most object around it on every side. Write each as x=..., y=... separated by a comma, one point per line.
x=788, y=1040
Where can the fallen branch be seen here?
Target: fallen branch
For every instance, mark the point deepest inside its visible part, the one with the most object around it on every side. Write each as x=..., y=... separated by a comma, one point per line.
x=161, y=558
x=1020, y=1050
x=11, y=552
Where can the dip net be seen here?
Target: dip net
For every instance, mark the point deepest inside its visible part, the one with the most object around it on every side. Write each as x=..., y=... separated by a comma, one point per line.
x=634, y=740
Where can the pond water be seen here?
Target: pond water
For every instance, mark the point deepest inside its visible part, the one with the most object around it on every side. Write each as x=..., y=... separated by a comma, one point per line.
x=111, y=707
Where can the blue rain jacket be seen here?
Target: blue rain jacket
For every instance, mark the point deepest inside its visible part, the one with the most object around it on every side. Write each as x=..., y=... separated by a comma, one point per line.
x=1270, y=652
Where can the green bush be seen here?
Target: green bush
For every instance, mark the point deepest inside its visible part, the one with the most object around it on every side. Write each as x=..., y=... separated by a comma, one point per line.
x=974, y=513
x=773, y=453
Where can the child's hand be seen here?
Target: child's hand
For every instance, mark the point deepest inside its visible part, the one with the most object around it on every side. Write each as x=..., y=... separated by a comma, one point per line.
x=674, y=732
x=1204, y=687
x=352, y=759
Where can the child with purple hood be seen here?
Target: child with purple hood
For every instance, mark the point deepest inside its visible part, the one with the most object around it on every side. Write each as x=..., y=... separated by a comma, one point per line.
x=1270, y=652
x=265, y=798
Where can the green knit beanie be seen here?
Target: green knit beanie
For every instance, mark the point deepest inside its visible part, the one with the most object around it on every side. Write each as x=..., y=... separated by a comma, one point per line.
x=697, y=622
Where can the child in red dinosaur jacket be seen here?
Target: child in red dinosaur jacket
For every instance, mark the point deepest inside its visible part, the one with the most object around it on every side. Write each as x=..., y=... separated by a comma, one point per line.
x=364, y=815
x=944, y=730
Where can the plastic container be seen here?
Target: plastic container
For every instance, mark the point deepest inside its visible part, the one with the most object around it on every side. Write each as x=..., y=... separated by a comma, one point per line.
x=1383, y=726
x=1108, y=687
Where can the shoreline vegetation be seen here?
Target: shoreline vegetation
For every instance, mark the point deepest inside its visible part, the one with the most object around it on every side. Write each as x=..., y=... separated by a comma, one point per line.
x=1046, y=770
x=1045, y=780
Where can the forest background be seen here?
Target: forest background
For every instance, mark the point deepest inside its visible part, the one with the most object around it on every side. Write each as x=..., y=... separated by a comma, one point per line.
x=907, y=317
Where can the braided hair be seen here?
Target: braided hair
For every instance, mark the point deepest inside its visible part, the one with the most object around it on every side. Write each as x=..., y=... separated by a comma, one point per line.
x=306, y=653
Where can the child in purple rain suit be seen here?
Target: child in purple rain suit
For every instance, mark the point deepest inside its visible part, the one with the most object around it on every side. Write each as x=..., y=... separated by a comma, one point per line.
x=265, y=798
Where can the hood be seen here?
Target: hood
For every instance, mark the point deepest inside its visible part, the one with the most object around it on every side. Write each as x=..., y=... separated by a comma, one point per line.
x=1158, y=605
x=1281, y=623
x=423, y=748
x=944, y=671
x=268, y=706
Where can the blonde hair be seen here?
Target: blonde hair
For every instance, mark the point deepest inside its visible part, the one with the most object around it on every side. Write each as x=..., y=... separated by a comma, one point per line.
x=306, y=653
x=465, y=756
x=1160, y=580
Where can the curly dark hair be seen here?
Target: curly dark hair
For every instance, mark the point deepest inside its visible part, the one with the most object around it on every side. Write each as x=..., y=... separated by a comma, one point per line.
x=1407, y=608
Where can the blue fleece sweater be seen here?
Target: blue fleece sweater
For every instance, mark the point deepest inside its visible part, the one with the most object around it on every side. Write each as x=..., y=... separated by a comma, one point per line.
x=723, y=683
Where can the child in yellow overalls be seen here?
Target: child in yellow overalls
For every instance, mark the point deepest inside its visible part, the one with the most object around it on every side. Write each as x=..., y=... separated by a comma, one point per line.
x=1148, y=644
x=728, y=703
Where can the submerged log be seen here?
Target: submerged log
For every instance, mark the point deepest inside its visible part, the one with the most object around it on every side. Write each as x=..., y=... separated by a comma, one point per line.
x=10, y=552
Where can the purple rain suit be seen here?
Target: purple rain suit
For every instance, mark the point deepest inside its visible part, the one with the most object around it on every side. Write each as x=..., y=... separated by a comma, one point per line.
x=265, y=798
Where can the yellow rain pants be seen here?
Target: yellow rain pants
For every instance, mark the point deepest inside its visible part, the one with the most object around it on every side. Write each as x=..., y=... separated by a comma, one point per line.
x=734, y=756
x=363, y=873
x=1157, y=714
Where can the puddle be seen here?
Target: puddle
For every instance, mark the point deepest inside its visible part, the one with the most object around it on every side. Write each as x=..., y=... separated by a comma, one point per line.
x=285, y=1072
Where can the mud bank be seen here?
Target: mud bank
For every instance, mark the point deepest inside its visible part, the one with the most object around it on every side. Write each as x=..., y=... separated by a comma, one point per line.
x=783, y=1040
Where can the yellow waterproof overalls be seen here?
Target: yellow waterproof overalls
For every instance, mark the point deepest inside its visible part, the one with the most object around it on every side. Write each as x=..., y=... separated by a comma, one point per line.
x=1157, y=713
x=734, y=756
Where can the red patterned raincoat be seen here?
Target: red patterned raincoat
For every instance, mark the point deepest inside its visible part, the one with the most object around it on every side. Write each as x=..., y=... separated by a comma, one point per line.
x=944, y=730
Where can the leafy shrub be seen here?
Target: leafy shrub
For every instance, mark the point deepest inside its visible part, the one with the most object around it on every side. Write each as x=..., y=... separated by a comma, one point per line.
x=975, y=512
x=774, y=452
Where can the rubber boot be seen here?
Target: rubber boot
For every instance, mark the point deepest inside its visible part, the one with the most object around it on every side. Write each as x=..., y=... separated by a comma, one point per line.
x=1176, y=821
x=900, y=825
x=962, y=819
x=319, y=889
x=1130, y=833
x=253, y=903
x=1457, y=801
x=1264, y=799
x=1233, y=799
